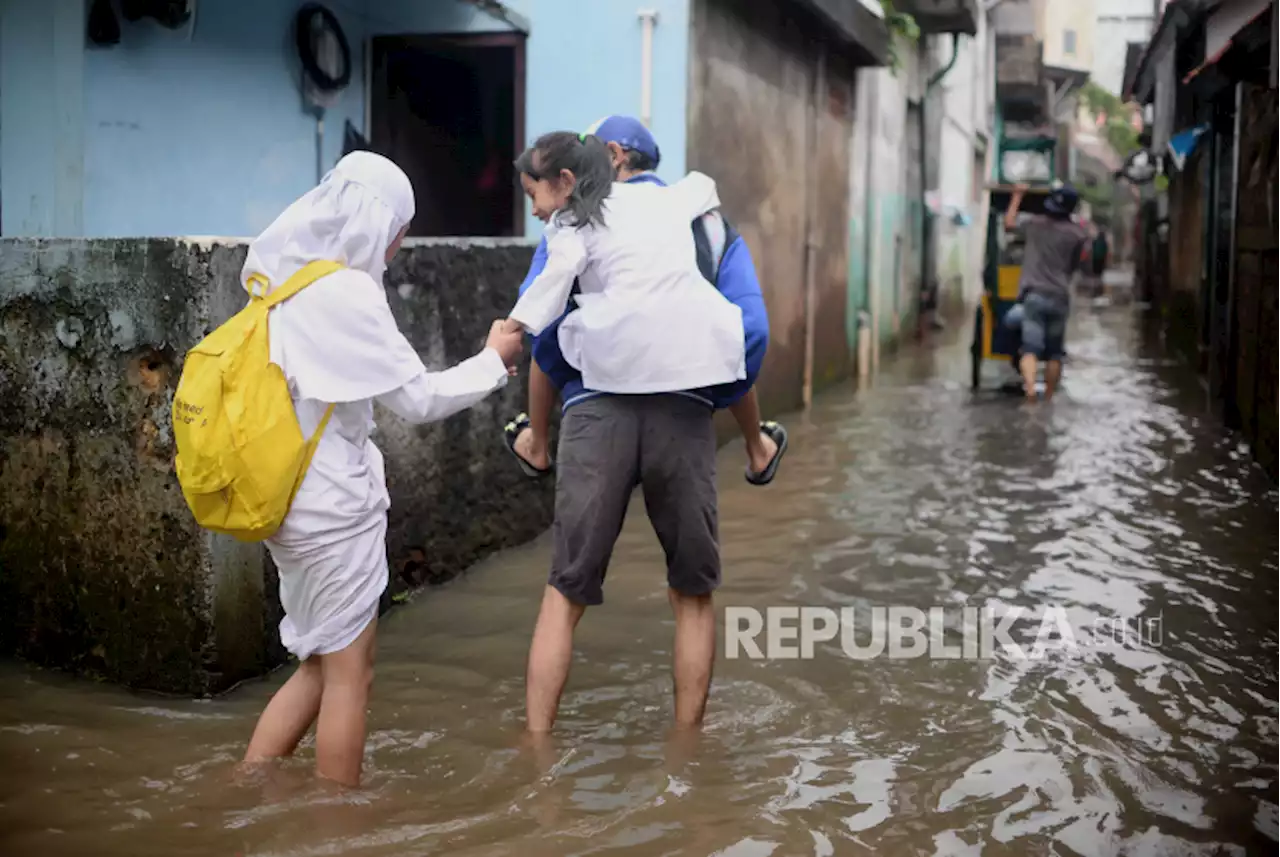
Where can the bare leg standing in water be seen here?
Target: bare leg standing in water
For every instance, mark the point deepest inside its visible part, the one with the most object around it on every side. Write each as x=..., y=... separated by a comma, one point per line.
x=340, y=728
x=666, y=444
x=1052, y=374
x=1043, y=327
x=288, y=715
x=694, y=658
x=550, y=655
x=331, y=691
x=1029, y=369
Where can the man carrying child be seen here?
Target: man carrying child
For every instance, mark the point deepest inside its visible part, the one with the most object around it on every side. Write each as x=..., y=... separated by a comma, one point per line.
x=670, y=439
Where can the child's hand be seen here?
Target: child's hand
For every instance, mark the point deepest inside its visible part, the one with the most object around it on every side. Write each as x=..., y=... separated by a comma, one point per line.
x=512, y=326
x=508, y=344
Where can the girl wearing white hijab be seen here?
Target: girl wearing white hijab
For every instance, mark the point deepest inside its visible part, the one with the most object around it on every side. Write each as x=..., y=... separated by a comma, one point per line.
x=337, y=343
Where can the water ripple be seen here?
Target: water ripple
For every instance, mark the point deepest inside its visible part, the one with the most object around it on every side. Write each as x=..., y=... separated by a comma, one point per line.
x=1118, y=502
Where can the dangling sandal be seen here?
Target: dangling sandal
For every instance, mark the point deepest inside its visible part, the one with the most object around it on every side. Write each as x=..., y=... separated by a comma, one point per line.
x=510, y=432
x=779, y=436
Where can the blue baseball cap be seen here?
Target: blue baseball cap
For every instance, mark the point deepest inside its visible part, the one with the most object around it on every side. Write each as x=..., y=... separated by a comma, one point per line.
x=627, y=132
x=1062, y=200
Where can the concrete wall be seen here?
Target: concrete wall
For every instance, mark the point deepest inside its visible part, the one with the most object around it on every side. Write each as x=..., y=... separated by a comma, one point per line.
x=102, y=569
x=750, y=92
x=203, y=131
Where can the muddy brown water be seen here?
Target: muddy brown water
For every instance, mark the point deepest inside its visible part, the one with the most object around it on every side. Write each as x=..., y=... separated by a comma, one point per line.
x=1123, y=499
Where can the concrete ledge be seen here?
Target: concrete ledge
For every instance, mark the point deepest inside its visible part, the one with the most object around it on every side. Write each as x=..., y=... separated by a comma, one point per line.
x=102, y=570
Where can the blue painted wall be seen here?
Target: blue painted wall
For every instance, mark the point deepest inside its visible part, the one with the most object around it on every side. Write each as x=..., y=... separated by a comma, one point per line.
x=203, y=130
x=206, y=135
x=41, y=129
x=584, y=63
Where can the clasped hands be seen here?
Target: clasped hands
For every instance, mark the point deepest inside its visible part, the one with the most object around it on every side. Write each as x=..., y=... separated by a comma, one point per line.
x=507, y=338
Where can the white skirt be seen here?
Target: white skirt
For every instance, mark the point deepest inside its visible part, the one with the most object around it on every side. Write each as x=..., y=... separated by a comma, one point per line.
x=330, y=592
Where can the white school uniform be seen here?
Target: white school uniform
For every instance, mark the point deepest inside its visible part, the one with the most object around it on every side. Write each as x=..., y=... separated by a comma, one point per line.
x=647, y=320
x=337, y=342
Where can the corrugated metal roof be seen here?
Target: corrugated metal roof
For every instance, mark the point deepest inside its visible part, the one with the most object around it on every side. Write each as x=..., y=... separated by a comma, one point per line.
x=1177, y=14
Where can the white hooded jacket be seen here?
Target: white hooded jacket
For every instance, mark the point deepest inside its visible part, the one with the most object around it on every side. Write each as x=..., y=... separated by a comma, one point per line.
x=337, y=342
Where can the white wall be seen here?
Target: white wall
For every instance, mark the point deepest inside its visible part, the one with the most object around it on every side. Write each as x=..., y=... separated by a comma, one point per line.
x=880, y=211
x=1119, y=22
x=967, y=137
x=1019, y=17
x=1070, y=16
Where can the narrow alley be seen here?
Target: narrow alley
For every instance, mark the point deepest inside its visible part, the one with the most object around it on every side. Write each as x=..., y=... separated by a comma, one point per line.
x=1121, y=499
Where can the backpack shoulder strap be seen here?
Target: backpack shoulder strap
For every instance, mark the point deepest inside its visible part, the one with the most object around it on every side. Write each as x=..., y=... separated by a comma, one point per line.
x=703, y=251
x=730, y=235
x=712, y=235
x=309, y=273
x=309, y=452
x=716, y=233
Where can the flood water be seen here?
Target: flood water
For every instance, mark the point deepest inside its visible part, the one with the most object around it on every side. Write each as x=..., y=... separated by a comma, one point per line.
x=1122, y=501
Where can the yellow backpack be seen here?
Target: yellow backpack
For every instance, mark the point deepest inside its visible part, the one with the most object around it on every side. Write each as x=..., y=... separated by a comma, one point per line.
x=241, y=454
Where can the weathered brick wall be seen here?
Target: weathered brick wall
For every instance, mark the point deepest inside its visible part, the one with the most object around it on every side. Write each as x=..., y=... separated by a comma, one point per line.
x=102, y=569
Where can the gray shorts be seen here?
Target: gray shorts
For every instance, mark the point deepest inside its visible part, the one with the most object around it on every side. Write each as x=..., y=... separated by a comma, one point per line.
x=610, y=444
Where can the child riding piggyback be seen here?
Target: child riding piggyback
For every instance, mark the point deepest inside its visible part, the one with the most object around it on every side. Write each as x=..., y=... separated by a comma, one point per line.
x=647, y=321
